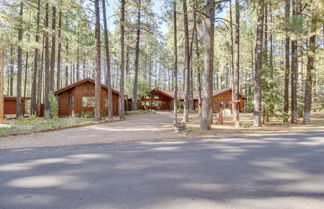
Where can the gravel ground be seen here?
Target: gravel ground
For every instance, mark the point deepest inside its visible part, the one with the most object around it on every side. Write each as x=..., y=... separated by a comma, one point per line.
x=135, y=127
x=246, y=172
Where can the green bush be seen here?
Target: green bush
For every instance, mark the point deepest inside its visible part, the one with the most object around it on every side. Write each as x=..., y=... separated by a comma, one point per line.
x=32, y=118
x=53, y=104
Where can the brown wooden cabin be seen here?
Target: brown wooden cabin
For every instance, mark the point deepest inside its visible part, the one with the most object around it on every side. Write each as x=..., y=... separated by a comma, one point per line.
x=10, y=105
x=78, y=98
x=163, y=100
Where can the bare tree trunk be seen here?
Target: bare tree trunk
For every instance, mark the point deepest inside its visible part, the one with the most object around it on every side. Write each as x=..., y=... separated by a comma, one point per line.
x=26, y=70
x=294, y=72
x=78, y=65
x=108, y=77
x=66, y=65
x=19, y=62
x=11, y=70
x=1, y=85
x=47, y=114
x=257, y=114
x=122, y=64
x=310, y=69
x=175, y=76
x=287, y=64
x=58, y=73
x=53, y=50
x=232, y=50
x=134, y=101
x=36, y=59
x=236, y=73
x=40, y=78
x=187, y=64
x=97, y=116
x=207, y=82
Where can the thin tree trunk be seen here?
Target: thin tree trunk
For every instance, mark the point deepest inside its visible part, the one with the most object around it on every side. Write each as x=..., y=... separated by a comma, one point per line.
x=98, y=65
x=19, y=62
x=11, y=70
x=175, y=77
x=294, y=72
x=122, y=64
x=26, y=70
x=78, y=65
x=40, y=78
x=287, y=64
x=47, y=114
x=232, y=50
x=257, y=113
x=1, y=85
x=236, y=73
x=59, y=49
x=53, y=50
x=207, y=82
x=187, y=64
x=310, y=69
x=36, y=59
x=134, y=101
x=108, y=78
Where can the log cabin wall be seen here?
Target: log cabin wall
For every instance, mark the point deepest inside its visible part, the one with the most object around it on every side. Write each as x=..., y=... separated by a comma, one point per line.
x=72, y=101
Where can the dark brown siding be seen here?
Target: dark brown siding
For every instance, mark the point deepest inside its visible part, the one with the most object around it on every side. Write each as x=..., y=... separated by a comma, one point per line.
x=84, y=89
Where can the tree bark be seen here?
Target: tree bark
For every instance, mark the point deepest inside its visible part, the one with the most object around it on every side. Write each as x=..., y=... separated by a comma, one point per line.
x=187, y=64
x=26, y=73
x=59, y=49
x=134, y=101
x=207, y=82
x=1, y=85
x=175, y=73
x=97, y=116
x=47, y=114
x=236, y=79
x=53, y=50
x=287, y=64
x=257, y=113
x=108, y=77
x=36, y=59
x=294, y=72
x=122, y=64
x=310, y=69
x=11, y=70
x=19, y=62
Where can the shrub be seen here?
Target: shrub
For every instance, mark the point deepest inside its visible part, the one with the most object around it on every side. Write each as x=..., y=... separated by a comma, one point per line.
x=32, y=118
x=53, y=104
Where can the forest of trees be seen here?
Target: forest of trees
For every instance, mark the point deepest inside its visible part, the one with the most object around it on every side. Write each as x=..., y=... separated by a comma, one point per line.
x=269, y=51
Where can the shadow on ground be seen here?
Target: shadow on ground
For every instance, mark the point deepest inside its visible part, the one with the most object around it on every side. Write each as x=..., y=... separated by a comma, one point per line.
x=239, y=172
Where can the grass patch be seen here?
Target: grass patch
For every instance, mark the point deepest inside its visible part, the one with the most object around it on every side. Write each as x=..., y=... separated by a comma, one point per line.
x=40, y=124
x=134, y=112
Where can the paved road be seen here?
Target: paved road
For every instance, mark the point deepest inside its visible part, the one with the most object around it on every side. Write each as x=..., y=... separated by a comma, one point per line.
x=250, y=172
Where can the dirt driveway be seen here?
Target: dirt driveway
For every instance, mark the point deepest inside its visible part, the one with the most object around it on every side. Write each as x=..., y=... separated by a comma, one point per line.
x=135, y=127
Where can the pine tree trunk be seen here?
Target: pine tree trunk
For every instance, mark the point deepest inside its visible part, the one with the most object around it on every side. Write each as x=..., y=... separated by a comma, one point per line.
x=175, y=74
x=98, y=65
x=236, y=79
x=26, y=73
x=78, y=65
x=2, y=63
x=11, y=70
x=47, y=114
x=53, y=50
x=59, y=49
x=207, y=82
x=294, y=73
x=257, y=113
x=108, y=77
x=122, y=64
x=187, y=64
x=66, y=65
x=35, y=71
x=134, y=101
x=310, y=69
x=40, y=78
x=287, y=65
x=198, y=71
x=19, y=62
x=232, y=50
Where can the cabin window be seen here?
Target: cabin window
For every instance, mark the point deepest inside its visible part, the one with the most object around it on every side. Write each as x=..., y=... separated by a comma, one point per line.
x=148, y=103
x=143, y=103
x=71, y=101
x=88, y=102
